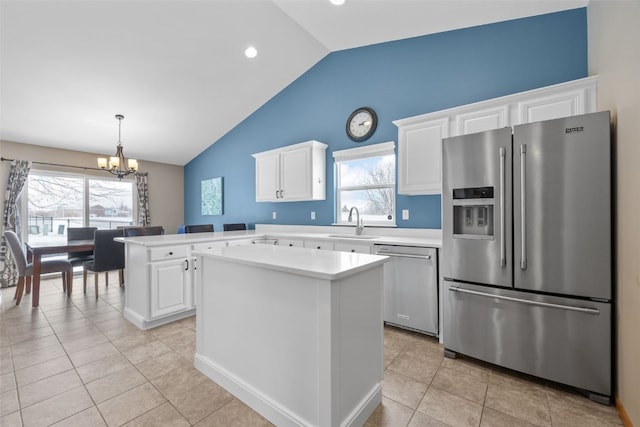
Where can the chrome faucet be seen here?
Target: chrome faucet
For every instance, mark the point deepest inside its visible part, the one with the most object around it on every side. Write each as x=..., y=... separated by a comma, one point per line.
x=359, y=224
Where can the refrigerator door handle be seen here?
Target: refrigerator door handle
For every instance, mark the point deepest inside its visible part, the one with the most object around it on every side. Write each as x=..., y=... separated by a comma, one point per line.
x=585, y=310
x=523, y=206
x=503, y=227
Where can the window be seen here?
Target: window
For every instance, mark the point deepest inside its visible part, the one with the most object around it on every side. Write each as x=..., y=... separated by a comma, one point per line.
x=57, y=201
x=366, y=178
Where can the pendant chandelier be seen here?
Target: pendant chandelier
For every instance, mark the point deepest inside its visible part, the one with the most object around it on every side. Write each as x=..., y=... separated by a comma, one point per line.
x=116, y=164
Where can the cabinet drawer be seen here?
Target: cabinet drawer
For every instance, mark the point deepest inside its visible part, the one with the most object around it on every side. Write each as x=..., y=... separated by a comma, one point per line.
x=209, y=246
x=168, y=252
x=290, y=243
x=346, y=247
x=318, y=244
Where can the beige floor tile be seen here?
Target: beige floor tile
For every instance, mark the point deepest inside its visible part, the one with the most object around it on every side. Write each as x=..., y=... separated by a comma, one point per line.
x=113, y=323
x=571, y=409
x=421, y=420
x=48, y=387
x=7, y=382
x=461, y=384
x=521, y=399
x=163, y=415
x=91, y=354
x=179, y=381
x=85, y=342
x=11, y=419
x=420, y=369
x=120, y=332
x=451, y=409
x=167, y=329
x=403, y=389
x=115, y=384
x=43, y=370
x=493, y=418
x=187, y=352
x=135, y=339
x=146, y=351
x=38, y=356
x=130, y=405
x=234, y=413
x=180, y=340
x=426, y=348
x=103, y=367
x=27, y=333
x=33, y=345
x=88, y=418
x=201, y=400
x=6, y=361
x=9, y=402
x=158, y=366
x=468, y=366
x=75, y=334
x=389, y=414
x=57, y=408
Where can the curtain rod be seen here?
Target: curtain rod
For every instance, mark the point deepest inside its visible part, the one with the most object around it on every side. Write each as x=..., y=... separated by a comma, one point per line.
x=4, y=159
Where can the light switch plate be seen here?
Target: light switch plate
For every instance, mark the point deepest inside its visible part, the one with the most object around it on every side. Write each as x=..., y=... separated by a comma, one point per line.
x=274, y=215
x=313, y=215
x=405, y=214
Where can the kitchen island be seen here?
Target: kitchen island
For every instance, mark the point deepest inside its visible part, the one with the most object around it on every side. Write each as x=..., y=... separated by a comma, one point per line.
x=295, y=333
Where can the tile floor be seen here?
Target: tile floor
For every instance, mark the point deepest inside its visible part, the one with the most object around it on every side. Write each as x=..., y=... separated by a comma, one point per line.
x=78, y=362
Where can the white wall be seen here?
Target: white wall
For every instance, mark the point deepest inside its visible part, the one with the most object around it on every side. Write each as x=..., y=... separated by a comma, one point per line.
x=166, y=182
x=614, y=55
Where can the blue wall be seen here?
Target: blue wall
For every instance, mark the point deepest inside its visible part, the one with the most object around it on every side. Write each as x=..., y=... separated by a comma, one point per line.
x=397, y=79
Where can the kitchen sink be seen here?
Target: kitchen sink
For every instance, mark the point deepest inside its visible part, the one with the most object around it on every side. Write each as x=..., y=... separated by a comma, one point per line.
x=351, y=236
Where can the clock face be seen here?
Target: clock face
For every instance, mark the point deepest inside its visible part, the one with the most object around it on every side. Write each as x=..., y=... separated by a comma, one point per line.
x=361, y=124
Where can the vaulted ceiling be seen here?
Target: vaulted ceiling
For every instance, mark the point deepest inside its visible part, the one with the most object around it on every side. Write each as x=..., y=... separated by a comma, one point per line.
x=176, y=69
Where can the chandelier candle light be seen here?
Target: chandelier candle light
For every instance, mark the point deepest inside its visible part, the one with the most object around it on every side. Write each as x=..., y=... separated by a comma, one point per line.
x=116, y=164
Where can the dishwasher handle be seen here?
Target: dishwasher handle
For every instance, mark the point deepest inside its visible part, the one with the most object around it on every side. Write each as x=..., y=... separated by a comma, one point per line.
x=396, y=254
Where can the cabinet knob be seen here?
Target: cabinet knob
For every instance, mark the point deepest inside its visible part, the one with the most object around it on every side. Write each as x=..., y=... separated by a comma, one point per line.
x=318, y=247
x=290, y=244
x=170, y=253
x=353, y=250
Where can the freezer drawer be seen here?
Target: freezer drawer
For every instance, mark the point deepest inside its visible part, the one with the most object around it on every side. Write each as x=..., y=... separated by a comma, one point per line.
x=560, y=339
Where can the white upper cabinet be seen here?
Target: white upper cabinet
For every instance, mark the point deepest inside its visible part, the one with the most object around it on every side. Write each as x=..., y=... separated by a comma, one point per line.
x=293, y=173
x=420, y=137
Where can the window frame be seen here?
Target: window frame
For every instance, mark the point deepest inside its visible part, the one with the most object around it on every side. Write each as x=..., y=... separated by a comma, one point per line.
x=24, y=196
x=359, y=153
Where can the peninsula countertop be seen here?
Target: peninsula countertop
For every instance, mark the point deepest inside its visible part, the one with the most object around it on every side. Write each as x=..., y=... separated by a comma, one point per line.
x=326, y=265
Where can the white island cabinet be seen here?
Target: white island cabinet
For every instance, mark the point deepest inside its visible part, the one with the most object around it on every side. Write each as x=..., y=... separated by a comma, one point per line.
x=295, y=333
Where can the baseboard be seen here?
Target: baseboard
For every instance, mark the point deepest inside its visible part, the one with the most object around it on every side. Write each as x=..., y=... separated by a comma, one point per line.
x=626, y=421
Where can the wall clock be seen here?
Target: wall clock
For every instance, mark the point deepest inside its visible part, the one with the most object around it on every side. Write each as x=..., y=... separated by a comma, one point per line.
x=361, y=124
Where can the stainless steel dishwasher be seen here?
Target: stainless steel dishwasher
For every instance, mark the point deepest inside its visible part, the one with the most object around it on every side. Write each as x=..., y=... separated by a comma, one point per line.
x=410, y=287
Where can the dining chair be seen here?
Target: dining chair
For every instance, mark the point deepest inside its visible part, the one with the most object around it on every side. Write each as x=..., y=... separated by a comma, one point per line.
x=80, y=233
x=200, y=228
x=108, y=255
x=143, y=231
x=233, y=227
x=25, y=269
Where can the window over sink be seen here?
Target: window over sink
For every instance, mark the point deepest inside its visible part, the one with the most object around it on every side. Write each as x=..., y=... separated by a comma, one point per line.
x=366, y=179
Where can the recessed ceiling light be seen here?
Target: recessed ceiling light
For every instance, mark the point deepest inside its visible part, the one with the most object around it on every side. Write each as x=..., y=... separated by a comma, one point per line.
x=251, y=52
x=337, y=2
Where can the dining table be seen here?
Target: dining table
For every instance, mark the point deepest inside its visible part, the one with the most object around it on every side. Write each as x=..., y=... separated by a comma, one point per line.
x=36, y=250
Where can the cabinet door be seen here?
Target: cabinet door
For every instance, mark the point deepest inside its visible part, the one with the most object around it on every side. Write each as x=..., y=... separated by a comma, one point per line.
x=420, y=157
x=290, y=243
x=170, y=292
x=268, y=178
x=295, y=178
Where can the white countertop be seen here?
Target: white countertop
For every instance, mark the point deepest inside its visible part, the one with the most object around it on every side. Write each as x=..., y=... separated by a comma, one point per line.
x=409, y=237
x=326, y=265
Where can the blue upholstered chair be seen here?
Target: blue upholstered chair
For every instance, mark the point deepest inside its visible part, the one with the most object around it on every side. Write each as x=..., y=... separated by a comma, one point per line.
x=80, y=233
x=143, y=231
x=200, y=228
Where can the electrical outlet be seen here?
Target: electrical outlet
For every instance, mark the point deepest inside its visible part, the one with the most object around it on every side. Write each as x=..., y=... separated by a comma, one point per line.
x=274, y=215
x=313, y=215
x=405, y=214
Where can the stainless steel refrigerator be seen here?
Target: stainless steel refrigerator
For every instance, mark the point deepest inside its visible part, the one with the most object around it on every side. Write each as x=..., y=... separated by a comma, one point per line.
x=527, y=250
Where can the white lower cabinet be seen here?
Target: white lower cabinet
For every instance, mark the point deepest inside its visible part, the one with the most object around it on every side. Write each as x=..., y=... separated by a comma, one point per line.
x=319, y=244
x=352, y=247
x=171, y=289
x=291, y=243
x=159, y=284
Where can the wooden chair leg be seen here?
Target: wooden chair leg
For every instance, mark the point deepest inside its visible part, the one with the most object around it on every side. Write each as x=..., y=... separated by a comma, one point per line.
x=95, y=276
x=19, y=290
x=28, y=284
x=64, y=282
x=69, y=274
x=84, y=280
x=106, y=277
x=121, y=273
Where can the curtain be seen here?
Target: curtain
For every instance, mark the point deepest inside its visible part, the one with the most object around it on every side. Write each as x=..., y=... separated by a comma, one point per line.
x=142, y=184
x=11, y=219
